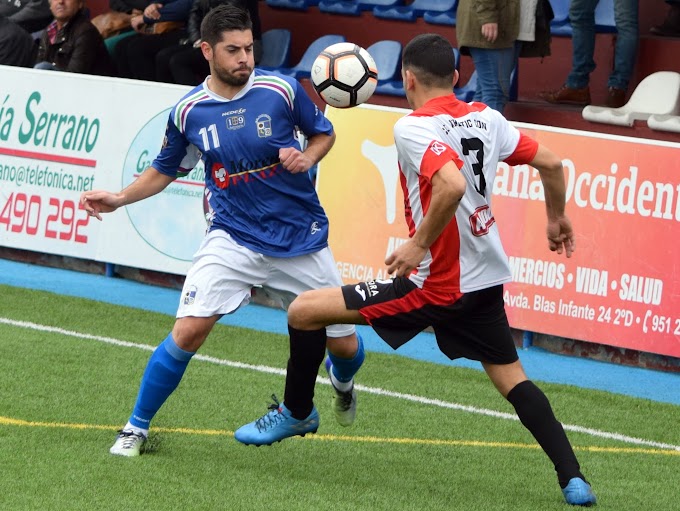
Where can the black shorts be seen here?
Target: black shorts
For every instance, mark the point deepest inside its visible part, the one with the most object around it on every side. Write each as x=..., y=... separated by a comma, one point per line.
x=470, y=325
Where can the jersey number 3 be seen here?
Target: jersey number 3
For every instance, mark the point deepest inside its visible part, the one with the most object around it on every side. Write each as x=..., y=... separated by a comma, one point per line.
x=474, y=144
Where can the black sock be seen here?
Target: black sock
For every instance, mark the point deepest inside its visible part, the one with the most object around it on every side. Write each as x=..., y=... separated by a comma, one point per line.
x=307, y=349
x=535, y=412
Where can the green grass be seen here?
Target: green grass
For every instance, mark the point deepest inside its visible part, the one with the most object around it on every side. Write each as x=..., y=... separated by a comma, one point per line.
x=74, y=393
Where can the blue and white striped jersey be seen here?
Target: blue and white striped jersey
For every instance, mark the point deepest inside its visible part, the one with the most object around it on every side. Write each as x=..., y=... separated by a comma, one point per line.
x=252, y=197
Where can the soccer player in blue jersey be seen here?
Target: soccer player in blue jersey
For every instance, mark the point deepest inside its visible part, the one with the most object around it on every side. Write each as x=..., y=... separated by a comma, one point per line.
x=267, y=227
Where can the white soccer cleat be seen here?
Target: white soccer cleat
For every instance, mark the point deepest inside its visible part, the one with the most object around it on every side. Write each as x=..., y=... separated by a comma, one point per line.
x=128, y=443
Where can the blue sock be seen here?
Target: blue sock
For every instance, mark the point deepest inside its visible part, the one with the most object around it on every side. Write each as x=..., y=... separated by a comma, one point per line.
x=344, y=369
x=161, y=377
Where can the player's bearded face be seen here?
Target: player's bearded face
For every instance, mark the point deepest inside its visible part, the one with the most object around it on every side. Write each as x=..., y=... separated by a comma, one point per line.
x=233, y=59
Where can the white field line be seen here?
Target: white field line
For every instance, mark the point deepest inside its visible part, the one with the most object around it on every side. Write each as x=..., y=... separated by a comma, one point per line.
x=370, y=390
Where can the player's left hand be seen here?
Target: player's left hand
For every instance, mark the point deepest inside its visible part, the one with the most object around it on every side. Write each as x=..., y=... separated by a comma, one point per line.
x=405, y=259
x=561, y=236
x=294, y=160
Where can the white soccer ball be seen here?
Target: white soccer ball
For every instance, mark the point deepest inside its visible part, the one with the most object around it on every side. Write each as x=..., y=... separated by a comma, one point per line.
x=344, y=75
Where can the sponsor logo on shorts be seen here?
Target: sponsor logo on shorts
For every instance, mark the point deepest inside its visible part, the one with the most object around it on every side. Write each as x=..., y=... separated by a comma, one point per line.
x=314, y=228
x=190, y=295
x=361, y=292
x=481, y=221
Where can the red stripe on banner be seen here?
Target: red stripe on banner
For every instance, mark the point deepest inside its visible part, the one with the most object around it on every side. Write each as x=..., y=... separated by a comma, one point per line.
x=82, y=162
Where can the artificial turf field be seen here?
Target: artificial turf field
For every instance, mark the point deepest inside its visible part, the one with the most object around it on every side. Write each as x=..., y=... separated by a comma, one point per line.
x=427, y=436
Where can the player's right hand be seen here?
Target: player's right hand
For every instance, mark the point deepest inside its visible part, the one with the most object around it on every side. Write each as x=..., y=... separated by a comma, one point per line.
x=99, y=201
x=561, y=236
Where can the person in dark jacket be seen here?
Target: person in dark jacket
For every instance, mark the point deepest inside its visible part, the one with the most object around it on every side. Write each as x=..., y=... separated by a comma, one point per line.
x=71, y=43
x=16, y=45
x=184, y=64
x=31, y=15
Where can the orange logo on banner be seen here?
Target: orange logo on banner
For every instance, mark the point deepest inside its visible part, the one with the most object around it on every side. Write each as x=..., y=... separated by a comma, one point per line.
x=621, y=287
x=358, y=185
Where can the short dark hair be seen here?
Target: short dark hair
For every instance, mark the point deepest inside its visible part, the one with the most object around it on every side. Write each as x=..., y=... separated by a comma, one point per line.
x=224, y=18
x=430, y=57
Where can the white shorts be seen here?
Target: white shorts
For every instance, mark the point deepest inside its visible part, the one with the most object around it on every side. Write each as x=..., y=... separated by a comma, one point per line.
x=223, y=274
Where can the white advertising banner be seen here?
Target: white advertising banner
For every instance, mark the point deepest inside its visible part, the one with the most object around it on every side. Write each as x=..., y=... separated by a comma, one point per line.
x=62, y=134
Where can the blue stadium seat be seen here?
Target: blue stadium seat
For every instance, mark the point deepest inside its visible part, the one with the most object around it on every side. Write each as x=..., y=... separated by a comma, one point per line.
x=415, y=10
x=387, y=56
x=344, y=7
x=560, y=23
x=275, y=48
x=466, y=92
x=604, y=17
x=369, y=5
x=303, y=68
x=444, y=14
x=297, y=5
x=440, y=18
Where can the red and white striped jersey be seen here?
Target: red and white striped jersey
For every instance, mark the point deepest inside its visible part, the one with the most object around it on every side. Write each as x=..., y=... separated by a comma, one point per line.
x=468, y=255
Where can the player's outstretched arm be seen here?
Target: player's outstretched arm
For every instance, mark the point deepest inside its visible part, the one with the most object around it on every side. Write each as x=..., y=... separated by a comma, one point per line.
x=149, y=183
x=301, y=161
x=560, y=232
x=448, y=187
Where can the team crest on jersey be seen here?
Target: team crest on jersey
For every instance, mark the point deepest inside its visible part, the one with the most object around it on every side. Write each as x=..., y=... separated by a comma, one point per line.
x=190, y=295
x=264, y=126
x=437, y=148
x=220, y=175
x=481, y=221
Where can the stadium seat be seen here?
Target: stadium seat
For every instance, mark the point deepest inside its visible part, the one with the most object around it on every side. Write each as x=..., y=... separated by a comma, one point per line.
x=466, y=92
x=604, y=16
x=297, y=5
x=414, y=10
x=657, y=94
x=560, y=23
x=387, y=56
x=664, y=122
x=344, y=7
x=275, y=48
x=440, y=18
x=369, y=5
x=303, y=68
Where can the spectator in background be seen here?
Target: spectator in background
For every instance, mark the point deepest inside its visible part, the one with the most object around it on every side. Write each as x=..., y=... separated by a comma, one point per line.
x=115, y=24
x=16, y=45
x=671, y=25
x=487, y=30
x=71, y=43
x=161, y=26
x=31, y=15
x=582, y=17
x=184, y=63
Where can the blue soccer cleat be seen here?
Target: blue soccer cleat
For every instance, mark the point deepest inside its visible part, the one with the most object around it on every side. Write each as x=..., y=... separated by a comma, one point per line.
x=579, y=493
x=276, y=425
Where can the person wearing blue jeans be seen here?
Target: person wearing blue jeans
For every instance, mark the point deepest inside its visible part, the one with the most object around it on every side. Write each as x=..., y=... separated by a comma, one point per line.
x=582, y=19
x=487, y=30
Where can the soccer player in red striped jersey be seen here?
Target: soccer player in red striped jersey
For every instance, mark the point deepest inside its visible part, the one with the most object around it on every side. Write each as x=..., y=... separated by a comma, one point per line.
x=449, y=275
